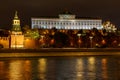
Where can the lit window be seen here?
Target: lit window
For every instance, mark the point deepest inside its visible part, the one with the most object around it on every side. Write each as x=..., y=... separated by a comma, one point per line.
x=59, y=28
x=44, y=27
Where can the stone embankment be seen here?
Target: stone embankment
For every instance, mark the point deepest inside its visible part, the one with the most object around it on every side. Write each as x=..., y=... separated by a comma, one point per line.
x=43, y=52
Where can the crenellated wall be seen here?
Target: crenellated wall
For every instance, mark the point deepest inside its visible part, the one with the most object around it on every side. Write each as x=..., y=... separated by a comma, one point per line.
x=5, y=41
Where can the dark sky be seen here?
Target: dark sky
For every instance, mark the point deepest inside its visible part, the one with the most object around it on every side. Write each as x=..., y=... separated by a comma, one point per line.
x=105, y=9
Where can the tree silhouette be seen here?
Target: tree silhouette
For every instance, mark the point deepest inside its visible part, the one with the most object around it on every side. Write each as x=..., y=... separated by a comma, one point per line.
x=61, y=39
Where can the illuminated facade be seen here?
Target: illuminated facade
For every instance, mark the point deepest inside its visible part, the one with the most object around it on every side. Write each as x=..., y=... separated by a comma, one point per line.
x=66, y=21
x=17, y=38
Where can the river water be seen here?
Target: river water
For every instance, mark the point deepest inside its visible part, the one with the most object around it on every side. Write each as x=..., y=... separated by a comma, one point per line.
x=61, y=68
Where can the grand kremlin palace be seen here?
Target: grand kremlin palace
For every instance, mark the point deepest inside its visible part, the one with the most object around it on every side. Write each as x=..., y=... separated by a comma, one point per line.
x=66, y=21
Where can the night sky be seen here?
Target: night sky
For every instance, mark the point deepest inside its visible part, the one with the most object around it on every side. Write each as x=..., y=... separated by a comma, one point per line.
x=105, y=9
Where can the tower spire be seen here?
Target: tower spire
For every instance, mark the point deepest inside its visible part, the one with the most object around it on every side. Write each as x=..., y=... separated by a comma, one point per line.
x=16, y=23
x=16, y=15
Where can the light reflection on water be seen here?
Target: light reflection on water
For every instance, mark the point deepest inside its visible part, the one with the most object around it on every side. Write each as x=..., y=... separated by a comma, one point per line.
x=104, y=69
x=42, y=66
x=61, y=68
x=16, y=70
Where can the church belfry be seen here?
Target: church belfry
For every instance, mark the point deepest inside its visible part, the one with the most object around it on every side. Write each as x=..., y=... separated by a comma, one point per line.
x=16, y=23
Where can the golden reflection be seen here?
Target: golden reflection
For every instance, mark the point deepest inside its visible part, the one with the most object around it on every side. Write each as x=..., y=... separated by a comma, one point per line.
x=42, y=68
x=91, y=67
x=79, y=69
x=15, y=70
x=104, y=68
x=91, y=60
x=27, y=70
x=2, y=69
x=91, y=64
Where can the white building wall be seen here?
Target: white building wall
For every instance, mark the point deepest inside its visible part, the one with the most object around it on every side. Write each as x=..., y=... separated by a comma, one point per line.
x=66, y=23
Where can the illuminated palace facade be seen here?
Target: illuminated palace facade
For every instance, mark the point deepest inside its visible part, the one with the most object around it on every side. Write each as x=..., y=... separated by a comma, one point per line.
x=66, y=21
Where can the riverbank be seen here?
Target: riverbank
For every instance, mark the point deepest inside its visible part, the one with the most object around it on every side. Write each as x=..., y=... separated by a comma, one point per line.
x=59, y=50
x=45, y=52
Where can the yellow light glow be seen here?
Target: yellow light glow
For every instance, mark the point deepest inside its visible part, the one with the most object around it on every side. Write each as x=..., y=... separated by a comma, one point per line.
x=27, y=70
x=91, y=66
x=42, y=68
x=26, y=39
x=104, y=69
x=79, y=68
x=27, y=65
x=91, y=60
x=15, y=70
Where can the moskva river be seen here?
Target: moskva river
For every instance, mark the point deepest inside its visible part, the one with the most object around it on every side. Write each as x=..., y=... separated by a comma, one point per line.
x=61, y=68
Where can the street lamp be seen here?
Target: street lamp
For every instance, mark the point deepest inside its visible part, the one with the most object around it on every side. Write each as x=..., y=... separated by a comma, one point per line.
x=52, y=41
x=91, y=41
x=79, y=41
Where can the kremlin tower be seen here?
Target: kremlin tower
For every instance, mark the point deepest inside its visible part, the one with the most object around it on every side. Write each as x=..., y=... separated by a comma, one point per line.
x=17, y=38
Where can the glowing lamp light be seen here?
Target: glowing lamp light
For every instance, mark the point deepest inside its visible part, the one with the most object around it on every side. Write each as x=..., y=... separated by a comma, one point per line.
x=79, y=41
x=103, y=41
x=52, y=41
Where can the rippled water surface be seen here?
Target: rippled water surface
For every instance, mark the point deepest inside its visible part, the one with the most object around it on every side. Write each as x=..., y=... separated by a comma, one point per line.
x=61, y=68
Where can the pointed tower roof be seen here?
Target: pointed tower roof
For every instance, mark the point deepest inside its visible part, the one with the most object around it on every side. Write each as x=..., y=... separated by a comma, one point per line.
x=16, y=23
x=16, y=15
